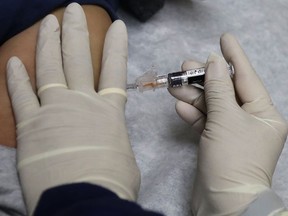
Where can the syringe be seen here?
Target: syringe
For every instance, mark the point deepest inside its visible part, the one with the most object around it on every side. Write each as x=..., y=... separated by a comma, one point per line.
x=151, y=81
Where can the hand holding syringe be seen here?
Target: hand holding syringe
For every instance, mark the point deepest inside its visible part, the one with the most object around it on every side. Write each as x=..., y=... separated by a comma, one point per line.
x=151, y=81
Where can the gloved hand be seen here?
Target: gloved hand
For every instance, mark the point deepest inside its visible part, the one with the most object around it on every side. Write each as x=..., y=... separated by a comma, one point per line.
x=73, y=134
x=242, y=134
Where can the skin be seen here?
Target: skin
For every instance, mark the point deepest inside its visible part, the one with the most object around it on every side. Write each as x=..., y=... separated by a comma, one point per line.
x=23, y=45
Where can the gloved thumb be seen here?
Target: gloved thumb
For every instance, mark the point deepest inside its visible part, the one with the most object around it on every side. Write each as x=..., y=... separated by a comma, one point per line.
x=218, y=86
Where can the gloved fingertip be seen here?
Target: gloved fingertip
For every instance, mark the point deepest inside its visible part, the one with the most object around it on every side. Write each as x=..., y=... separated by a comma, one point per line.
x=49, y=23
x=117, y=28
x=120, y=23
x=190, y=64
x=16, y=73
x=191, y=115
x=185, y=63
x=74, y=10
x=214, y=57
x=14, y=65
x=73, y=6
x=13, y=62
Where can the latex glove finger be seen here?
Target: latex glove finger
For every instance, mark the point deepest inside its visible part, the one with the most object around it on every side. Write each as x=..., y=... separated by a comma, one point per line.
x=248, y=86
x=113, y=76
x=191, y=115
x=24, y=101
x=48, y=60
x=76, y=50
x=190, y=94
x=218, y=86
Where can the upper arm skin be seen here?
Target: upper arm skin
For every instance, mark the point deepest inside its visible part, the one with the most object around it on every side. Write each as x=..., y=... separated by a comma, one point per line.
x=23, y=46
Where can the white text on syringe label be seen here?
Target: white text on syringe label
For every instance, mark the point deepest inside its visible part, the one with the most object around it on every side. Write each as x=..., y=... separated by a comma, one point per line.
x=195, y=72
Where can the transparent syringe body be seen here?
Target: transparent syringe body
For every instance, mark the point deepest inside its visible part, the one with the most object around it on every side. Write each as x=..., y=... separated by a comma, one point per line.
x=151, y=81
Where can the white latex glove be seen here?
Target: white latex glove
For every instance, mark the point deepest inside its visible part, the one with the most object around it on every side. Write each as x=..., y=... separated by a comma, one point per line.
x=241, y=138
x=73, y=134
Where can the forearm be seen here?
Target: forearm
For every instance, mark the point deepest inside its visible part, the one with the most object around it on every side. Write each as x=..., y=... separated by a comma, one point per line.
x=23, y=45
x=11, y=200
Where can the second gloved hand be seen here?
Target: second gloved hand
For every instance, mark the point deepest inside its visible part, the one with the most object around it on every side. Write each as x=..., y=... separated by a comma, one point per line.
x=74, y=134
x=242, y=134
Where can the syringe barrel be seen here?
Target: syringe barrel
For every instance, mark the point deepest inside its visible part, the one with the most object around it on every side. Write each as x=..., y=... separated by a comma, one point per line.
x=189, y=77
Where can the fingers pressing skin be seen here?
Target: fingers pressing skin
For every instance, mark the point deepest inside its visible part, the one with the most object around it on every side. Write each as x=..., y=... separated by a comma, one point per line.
x=24, y=101
x=190, y=94
x=113, y=78
x=48, y=59
x=76, y=50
